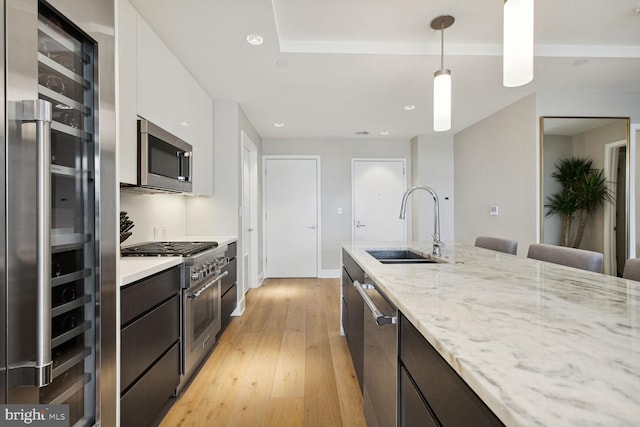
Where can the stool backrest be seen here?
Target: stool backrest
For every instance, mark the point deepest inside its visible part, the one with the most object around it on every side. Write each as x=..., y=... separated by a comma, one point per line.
x=572, y=257
x=497, y=244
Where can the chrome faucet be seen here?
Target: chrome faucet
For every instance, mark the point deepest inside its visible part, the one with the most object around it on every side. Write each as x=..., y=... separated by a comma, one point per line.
x=436, y=214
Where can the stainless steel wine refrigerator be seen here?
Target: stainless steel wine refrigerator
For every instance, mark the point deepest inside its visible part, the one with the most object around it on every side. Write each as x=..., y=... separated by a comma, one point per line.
x=58, y=251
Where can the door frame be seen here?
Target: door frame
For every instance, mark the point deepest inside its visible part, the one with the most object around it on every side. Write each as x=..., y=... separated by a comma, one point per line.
x=353, y=188
x=253, y=280
x=610, y=160
x=317, y=158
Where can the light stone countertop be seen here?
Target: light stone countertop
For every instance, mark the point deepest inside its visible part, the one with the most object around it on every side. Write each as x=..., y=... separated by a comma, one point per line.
x=541, y=344
x=134, y=268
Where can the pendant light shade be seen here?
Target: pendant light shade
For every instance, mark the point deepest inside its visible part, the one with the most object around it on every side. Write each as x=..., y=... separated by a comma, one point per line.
x=518, y=43
x=442, y=100
x=442, y=81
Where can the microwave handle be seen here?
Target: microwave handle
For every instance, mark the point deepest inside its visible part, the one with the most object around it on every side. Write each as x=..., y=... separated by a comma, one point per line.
x=189, y=156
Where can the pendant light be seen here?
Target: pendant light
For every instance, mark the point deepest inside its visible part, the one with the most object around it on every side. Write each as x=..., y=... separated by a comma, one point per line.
x=442, y=81
x=518, y=43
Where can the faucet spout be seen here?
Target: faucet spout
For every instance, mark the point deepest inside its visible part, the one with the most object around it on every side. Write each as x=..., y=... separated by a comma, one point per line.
x=437, y=251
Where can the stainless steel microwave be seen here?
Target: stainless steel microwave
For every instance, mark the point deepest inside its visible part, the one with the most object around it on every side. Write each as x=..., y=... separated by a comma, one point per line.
x=165, y=161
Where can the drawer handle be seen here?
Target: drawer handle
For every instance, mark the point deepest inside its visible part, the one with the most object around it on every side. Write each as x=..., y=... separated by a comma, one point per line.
x=381, y=319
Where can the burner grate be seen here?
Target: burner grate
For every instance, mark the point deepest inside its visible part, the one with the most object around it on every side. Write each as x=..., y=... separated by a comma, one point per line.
x=184, y=249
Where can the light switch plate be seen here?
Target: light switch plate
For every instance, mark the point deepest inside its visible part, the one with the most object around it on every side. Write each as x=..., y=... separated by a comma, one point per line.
x=493, y=210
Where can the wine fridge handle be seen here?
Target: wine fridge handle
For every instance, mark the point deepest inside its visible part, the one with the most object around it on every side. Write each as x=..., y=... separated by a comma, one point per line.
x=40, y=112
x=44, y=363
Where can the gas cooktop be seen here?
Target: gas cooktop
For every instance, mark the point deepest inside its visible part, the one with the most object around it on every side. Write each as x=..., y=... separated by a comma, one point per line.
x=184, y=249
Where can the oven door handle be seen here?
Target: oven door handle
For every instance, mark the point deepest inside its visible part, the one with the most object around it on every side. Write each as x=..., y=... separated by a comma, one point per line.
x=378, y=316
x=199, y=292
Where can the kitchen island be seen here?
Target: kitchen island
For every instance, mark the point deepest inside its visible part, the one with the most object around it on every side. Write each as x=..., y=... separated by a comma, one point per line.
x=540, y=344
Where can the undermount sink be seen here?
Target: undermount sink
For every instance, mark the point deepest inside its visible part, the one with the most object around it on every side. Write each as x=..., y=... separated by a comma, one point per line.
x=400, y=256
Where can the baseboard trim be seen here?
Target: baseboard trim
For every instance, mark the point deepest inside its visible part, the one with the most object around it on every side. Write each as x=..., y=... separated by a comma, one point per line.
x=329, y=274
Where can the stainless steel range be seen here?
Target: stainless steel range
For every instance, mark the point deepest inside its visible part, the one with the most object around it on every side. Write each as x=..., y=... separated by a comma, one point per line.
x=201, y=306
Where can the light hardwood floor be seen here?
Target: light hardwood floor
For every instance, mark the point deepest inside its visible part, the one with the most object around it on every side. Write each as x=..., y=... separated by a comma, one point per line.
x=282, y=363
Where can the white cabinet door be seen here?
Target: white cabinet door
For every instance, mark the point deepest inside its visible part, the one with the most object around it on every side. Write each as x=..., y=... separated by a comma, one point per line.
x=127, y=93
x=161, y=85
x=291, y=210
x=203, y=147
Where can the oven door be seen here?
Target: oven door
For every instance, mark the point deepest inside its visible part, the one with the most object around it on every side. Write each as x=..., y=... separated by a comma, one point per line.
x=201, y=321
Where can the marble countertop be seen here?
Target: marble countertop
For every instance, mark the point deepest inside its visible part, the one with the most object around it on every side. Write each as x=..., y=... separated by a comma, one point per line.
x=132, y=269
x=541, y=344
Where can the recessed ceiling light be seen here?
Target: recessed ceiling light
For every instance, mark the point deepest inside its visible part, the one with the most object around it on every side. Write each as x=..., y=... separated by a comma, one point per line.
x=409, y=107
x=255, y=39
x=278, y=124
x=185, y=124
x=384, y=132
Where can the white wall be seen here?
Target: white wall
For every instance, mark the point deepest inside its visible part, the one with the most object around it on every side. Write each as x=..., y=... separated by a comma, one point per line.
x=164, y=211
x=336, y=158
x=432, y=165
x=495, y=163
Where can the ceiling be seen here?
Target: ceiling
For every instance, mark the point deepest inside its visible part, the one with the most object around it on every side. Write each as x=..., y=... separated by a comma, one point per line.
x=329, y=69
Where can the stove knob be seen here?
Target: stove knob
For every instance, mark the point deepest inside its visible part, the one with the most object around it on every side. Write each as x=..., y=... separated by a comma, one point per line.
x=194, y=275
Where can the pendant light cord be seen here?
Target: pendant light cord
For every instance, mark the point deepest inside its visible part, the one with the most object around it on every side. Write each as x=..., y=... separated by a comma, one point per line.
x=442, y=46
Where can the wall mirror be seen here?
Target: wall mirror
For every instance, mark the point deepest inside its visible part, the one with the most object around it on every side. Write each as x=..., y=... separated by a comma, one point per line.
x=567, y=144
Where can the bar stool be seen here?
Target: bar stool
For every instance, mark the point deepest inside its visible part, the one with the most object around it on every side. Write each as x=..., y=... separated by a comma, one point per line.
x=571, y=257
x=632, y=269
x=497, y=244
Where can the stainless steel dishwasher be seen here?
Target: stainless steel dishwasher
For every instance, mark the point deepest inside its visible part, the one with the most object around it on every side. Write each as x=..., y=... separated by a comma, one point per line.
x=380, y=356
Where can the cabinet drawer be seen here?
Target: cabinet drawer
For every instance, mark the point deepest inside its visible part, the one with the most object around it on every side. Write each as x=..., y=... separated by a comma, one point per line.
x=413, y=410
x=141, y=404
x=230, y=279
x=144, y=340
x=228, y=304
x=353, y=269
x=451, y=399
x=137, y=298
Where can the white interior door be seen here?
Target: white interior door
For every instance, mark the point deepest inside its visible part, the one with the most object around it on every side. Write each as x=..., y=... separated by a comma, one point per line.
x=291, y=217
x=249, y=214
x=378, y=186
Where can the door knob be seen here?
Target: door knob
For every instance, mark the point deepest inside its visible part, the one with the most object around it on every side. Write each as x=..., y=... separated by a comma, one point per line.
x=312, y=227
x=360, y=225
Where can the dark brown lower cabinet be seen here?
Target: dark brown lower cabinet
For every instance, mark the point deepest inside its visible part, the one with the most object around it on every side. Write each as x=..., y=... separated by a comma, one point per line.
x=427, y=379
x=352, y=314
x=413, y=409
x=229, y=287
x=150, y=346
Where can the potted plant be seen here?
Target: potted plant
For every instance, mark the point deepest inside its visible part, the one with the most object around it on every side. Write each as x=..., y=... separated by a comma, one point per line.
x=584, y=190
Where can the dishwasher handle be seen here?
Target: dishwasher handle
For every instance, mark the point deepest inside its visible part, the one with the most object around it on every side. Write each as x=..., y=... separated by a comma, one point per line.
x=378, y=316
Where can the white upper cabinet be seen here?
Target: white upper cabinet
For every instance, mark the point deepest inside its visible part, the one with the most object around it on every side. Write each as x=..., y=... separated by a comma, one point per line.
x=156, y=86
x=203, y=147
x=127, y=93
